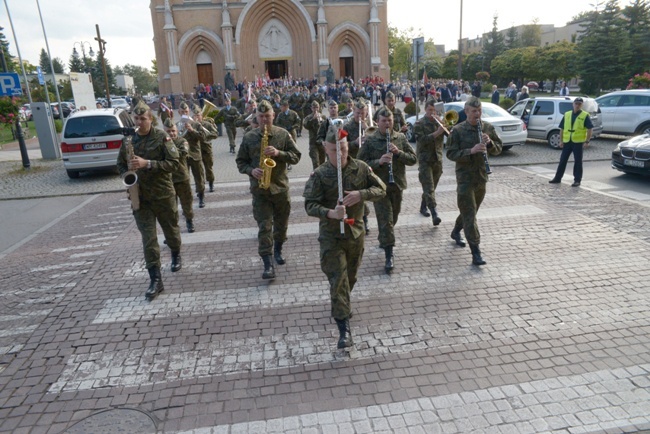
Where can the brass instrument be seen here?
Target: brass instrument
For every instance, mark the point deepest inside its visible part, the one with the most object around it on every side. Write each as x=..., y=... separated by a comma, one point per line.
x=371, y=127
x=130, y=178
x=182, y=125
x=266, y=164
x=485, y=156
x=451, y=117
x=208, y=109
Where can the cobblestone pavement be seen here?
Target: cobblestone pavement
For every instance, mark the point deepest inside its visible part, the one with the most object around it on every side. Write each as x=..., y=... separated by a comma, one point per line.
x=551, y=336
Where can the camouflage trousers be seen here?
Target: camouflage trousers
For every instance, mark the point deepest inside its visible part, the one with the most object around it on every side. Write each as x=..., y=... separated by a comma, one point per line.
x=340, y=260
x=208, y=161
x=184, y=194
x=387, y=210
x=271, y=212
x=429, y=175
x=164, y=211
x=317, y=154
x=469, y=197
x=231, y=131
x=196, y=167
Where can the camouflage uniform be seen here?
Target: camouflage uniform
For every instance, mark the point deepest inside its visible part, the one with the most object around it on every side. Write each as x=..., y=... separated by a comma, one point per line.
x=352, y=128
x=194, y=158
x=429, y=153
x=344, y=113
x=340, y=256
x=271, y=207
x=398, y=118
x=296, y=101
x=388, y=208
x=316, y=150
x=157, y=195
x=289, y=121
x=231, y=115
x=206, y=150
x=181, y=179
x=470, y=174
x=306, y=107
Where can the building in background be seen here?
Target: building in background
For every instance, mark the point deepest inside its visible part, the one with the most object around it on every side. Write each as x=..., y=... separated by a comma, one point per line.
x=126, y=85
x=200, y=42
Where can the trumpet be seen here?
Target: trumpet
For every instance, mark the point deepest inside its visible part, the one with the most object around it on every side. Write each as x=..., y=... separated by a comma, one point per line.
x=130, y=179
x=485, y=156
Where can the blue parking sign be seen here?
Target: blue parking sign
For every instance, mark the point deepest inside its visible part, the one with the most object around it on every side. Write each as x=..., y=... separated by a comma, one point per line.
x=10, y=84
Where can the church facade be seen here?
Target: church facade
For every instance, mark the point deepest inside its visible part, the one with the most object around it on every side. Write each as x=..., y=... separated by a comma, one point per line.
x=200, y=41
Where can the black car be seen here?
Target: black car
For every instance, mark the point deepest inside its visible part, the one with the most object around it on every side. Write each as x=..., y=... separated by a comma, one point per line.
x=633, y=156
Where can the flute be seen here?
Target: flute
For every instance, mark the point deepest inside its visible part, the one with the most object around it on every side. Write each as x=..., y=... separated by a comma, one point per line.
x=485, y=156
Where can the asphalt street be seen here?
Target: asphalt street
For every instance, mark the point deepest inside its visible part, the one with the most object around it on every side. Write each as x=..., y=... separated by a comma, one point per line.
x=552, y=335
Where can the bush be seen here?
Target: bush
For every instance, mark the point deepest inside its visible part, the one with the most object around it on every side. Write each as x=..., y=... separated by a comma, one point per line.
x=506, y=103
x=342, y=106
x=486, y=87
x=410, y=109
x=640, y=81
x=58, y=124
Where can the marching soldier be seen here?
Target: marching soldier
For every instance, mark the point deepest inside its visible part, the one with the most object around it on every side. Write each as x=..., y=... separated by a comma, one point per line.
x=340, y=254
x=469, y=141
x=155, y=158
x=288, y=119
x=430, y=141
x=194, y=134
x=164, y=111
x=355, y=141
x=206, y=145
x=312, y=124
x=296, y=101
x=388, y=153
x=332, y=108
x=271, y=207
x=314, y=96
x=399, y=122
x=181, y=178
x=349, y=108
x=230, y=115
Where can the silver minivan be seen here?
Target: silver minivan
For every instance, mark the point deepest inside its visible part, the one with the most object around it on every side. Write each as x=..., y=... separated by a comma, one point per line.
x=542, y=115
x=92, y=139
x=626, y=112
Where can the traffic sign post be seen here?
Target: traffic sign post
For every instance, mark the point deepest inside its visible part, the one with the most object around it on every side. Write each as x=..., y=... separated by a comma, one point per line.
x=10, y=84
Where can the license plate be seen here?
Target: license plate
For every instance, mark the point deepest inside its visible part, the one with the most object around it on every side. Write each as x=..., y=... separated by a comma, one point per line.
x=91, y=146
x=634, y=163
x=509, y=128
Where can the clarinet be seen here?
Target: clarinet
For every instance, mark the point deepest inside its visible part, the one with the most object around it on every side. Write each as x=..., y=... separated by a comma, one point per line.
x=485, y=155
x=390, y=165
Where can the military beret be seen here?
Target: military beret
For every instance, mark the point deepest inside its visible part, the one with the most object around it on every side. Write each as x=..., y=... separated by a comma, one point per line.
x=472, y=101
x=183, y=105
x=196, y=110
x=332, y=103
x=169, y=123
x=331, y=134
x=264, y=107
x=284, y=102
x=390, y=95
x=315, y=104
x=141, y=108
x=384, y=112
x=360, y=103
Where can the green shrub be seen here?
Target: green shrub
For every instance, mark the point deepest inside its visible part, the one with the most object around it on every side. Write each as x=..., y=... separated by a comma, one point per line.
x=486, y=87
x=506, y=103
x=410, y=109
x=58, y=124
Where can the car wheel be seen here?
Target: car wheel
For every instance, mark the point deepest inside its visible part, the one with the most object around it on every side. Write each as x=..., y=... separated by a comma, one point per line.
x=72, y=174
x=506, y=148
x=554, y=139
x=409, y=134
x=644, y=129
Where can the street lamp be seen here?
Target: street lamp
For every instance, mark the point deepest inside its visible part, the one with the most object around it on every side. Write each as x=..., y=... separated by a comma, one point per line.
x=91, y=53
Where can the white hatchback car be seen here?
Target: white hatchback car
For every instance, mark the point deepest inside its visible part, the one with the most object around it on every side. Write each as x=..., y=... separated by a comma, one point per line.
x=626, y=112
x=92, y=139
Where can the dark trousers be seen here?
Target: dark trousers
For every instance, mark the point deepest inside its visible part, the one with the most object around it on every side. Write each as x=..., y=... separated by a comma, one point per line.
x=568, y=149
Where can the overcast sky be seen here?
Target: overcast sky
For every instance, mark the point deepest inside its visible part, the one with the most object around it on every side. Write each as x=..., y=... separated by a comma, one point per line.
x=126, y=24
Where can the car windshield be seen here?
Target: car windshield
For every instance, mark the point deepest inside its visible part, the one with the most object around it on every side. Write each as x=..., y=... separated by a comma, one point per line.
x=118, y=101
x=91, y=126
x=489, y=111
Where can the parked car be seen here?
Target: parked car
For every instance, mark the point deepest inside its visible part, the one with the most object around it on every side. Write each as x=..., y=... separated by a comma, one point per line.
x=56, y=113
x=542, y=115
x=633, y=155
x=91, y=139
x=511, y=130
x=66, y=107
x=626, y=112
x=121, y=103
x=26, y=112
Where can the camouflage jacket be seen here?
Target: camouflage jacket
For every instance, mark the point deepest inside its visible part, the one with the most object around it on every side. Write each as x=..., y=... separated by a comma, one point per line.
x=322, y=130
x=248, y=157
x=194, y=139
x=306, y=108
x=352, y=128
x=398, y=118
x=312, y=125
x=321, y=194
x=182, y=174
x=375, y=146
x=210, y=133
x=463, y=137
x=230, y=116
x=289, y=121
x=296, y=101
x=155, y=183
x=429, y=148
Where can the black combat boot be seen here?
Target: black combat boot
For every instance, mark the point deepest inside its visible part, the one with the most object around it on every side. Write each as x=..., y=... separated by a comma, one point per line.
x=476, y=255
x=232, y=149
x=423, y=209
x=211, y=184
x=269, y=271
x=201, y=197
x=434, y=216
x=190, y=225
x=345, y=335
x=277, y=253
x=456, y=236
x=389, y=259
x=365, y=224
x=177, y=263
x=156, y=284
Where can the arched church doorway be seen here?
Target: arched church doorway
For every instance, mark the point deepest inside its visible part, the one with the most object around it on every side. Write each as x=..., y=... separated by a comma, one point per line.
x=204, y=68
x=346, y=61
x=276, y=68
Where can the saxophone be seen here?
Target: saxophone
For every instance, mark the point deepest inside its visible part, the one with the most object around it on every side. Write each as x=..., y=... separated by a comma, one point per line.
x=266, y=164
x=130, y=179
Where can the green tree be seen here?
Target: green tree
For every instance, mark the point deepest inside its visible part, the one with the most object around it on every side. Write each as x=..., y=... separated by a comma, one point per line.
x=154, y=67
x=9, y=59
x=76, y=63
x=531, y=35
x=512, y=39
x=400, y=52
x=38, y=91
x=603, y=50
x=517, y=64
x=143, y=79
x=44, y=62
x=472, y=63
x=493, y=45
x=65, y=90
x=431, y=62
x=558, y=61
x=450, y=65
x=637, y=17
x=97, y=74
